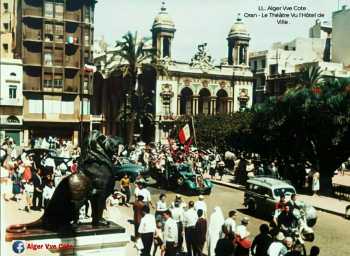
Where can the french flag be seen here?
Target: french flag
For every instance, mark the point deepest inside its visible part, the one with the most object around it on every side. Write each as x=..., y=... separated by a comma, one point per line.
x=184, y=134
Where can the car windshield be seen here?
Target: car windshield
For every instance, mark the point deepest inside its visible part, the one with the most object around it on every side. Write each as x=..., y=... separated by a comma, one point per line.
x=286, y=191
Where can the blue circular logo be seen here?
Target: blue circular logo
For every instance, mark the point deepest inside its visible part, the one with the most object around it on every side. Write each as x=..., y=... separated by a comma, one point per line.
x=18, y=247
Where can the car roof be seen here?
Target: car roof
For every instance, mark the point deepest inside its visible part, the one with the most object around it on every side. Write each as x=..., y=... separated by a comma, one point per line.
x=269, y=182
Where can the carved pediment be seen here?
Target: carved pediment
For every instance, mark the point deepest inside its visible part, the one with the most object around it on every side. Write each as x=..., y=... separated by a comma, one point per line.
x=202, y=59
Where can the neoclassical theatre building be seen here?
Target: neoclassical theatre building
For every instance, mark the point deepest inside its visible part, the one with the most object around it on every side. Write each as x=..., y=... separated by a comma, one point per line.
x=189, y=88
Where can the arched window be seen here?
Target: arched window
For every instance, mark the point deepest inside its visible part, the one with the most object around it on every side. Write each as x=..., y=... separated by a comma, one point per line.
x=12, y=74
x=221, y=102
x=204, y=102
x=13, y=120
x=186, y=101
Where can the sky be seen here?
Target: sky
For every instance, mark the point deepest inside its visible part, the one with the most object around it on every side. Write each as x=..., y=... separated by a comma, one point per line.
x=199, y=21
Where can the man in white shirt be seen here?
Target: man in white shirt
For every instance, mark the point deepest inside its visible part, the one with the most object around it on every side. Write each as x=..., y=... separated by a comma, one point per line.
x=170, y=234
x=230, y=222
x=146, y=230
x=241, y=230
x=277, y=248
x=146, y=195
x=190, y=220
x=201, y=205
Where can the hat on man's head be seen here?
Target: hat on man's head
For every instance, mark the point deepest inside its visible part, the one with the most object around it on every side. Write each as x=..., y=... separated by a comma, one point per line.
x=201, y=197
x=245, y=220
x=280, y=236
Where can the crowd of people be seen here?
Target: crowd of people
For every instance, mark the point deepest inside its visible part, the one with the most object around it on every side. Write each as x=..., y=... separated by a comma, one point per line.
x=173, y=227
x=179, y=225
x=23, y=181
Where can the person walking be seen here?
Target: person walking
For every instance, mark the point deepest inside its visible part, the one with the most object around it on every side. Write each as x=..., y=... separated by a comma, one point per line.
x=200, y=232
x=146, y=194
x=38, y=191
x=201, y=205
x=261, y=242
x=315, y=182
x=277, y=247
x=161, y=207
x=216, y=222
x=147, y=229
x=314, y=251
x=125, y=187
x=170, y=234
x=190, y=220
x=158, y=240
x=225, y=245
x=230, y=222
x=178, y=215
x=138, y=207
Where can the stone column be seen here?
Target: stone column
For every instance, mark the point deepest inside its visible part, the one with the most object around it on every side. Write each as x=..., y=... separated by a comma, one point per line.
x=238, y=54
x=213, y=104
x=193, y=106
x=76, y=137
x=178, y=105
x=26, y=138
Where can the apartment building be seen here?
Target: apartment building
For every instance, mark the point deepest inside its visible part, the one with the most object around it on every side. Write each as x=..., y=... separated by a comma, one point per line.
x=54, y=39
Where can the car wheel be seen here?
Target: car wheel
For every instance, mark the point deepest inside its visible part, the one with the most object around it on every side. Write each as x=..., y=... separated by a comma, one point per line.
x=251, y=206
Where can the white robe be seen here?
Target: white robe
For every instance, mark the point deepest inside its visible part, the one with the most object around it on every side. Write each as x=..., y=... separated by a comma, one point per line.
x=216, y=222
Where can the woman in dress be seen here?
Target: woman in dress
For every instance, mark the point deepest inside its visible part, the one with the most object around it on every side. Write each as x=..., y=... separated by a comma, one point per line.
x=214, y=231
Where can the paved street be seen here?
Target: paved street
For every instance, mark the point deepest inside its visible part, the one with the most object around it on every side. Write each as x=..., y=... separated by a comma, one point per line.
x=330, y=230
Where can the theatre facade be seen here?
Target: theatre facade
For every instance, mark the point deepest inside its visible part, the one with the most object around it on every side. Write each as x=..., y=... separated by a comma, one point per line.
x=196, y=87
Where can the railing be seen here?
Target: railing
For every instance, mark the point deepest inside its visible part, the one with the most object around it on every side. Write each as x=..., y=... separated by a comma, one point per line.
x=32, y=58
x=31, y=83
x=32, y=34
x=341, y=191
x=30, y=11
x=72, y=62
x=72, y=16
x=11, y=102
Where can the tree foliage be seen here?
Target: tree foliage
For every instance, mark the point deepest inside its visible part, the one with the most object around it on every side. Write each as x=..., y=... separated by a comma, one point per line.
x=309, y=122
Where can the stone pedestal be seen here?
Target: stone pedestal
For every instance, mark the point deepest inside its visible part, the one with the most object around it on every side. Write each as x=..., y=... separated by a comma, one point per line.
x=86, y=241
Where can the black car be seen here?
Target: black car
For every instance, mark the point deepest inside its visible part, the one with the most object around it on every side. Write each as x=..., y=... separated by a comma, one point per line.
x=182, y=177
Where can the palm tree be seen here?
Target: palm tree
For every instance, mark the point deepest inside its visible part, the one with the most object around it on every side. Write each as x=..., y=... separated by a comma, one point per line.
x=134, y=58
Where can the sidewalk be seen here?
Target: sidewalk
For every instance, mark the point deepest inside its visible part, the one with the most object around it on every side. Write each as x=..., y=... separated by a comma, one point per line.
x=321, y=203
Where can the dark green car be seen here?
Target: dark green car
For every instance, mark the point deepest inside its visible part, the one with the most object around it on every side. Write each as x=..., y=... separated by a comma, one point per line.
x=181, y=177
x=125, y=166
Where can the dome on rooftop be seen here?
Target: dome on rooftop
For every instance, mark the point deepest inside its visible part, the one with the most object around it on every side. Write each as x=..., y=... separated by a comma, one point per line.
x=238, y=29
x=163, y=20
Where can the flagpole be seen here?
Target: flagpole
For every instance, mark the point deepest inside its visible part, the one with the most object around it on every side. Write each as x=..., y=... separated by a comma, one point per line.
x=194, y=132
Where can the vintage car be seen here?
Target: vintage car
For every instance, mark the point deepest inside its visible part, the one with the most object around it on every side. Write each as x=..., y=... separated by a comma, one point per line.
x=125, y=166
x=262, y=194
x=181, y=177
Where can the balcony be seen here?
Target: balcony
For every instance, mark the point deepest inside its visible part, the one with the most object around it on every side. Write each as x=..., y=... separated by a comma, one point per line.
x=31, y=83
x=71, y=85
x=32, y=34
x=32, y=11
x=72, y=16
x=31, y=58
x=72, y=62
x=11, y=102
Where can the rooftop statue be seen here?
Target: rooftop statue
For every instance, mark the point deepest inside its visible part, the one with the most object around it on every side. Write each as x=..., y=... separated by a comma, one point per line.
x=94, y=182
x=202, y=59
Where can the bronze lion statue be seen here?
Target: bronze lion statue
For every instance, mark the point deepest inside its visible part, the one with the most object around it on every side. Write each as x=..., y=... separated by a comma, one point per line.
x=94, y=181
